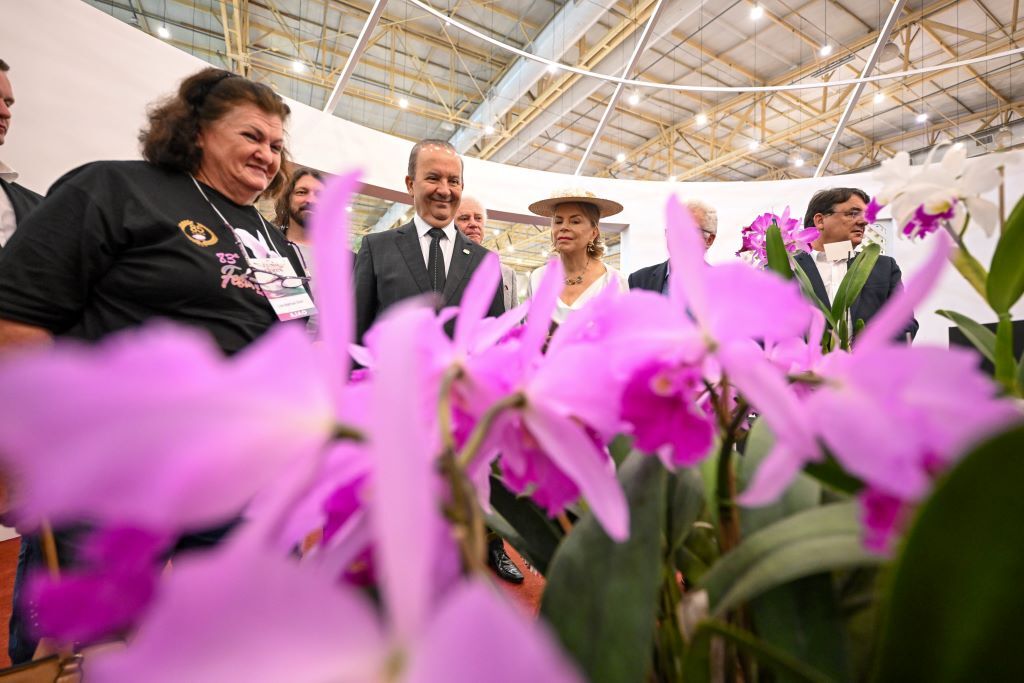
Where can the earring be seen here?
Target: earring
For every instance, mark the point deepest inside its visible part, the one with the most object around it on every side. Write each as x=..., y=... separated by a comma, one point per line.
x=590, y=245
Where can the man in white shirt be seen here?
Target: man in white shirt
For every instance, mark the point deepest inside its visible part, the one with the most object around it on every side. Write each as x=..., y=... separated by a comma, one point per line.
x=838, y=214
x=426, y=254
x=15, y=201
x=471, y=220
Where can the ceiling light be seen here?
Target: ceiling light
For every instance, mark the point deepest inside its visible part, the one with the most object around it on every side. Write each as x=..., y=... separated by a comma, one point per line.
x=298, y=67
x=447, y=126
x=672, y=178
x=163, y=32
x=958, y=145
x=510, y=248
x=825, y=50
x=403, y=103
x=922, y=117
x=890, y=51
x=756, y=12
x=753, y=145
x=348, y=209
x=798, y=161
x=488, y=130
x=1003, y=138
x=620, y=157
x=561, y=147
x=634, y=99
x=879, y=97
x=552, y=68
x=702, y=119
x=496, y=232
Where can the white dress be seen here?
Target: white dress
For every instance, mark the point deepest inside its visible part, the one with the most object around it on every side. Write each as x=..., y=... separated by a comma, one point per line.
x=611, y=278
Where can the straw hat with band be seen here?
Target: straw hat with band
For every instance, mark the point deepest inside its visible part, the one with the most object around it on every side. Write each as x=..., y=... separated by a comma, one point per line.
x=575, y=195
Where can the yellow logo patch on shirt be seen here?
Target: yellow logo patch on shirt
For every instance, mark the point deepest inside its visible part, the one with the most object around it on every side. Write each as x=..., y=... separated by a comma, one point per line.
x=198, y=233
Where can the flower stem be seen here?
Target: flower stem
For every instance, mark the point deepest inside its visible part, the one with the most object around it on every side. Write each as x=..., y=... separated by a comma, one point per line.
x=725, y=488
x=444, y=406
x=343, y=432
x=476, y=437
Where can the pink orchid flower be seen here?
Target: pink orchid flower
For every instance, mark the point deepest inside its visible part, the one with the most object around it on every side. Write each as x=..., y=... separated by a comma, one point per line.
x=246, y=612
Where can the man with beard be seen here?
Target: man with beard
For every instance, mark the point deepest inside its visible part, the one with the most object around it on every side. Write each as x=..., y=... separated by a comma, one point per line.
x=15, y=201
x=427, y=254
x=295, y=206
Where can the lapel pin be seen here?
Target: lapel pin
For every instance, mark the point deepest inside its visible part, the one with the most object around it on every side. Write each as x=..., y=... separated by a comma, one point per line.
x=466, y=252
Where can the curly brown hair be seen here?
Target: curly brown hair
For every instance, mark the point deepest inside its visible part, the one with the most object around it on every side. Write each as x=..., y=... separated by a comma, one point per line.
x=169, y=139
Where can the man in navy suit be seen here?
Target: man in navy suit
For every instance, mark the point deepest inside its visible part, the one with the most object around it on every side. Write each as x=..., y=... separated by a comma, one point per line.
x=655, y=278
x=426, y=254
x=15, y=200
x=838, y=214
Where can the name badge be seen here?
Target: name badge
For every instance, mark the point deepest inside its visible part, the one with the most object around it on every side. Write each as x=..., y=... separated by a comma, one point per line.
x=285, y=291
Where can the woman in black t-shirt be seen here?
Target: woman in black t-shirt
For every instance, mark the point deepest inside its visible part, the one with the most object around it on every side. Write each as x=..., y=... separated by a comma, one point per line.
x=118, y=243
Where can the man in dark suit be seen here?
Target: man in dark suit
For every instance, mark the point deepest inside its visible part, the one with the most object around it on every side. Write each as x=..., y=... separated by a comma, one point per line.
x=838, y=214
x=15, y=200
x=426, y=254
x=655, y=278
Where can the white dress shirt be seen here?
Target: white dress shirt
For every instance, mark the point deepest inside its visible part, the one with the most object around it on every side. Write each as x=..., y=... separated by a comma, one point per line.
x=8, y=221
x=447, y=242
x=832, y=272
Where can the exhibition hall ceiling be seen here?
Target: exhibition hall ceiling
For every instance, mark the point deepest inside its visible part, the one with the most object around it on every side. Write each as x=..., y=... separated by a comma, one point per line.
x=417, y=74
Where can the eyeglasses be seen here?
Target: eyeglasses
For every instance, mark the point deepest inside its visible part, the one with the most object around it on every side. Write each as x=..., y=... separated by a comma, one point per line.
x=265, y=278
x=852, y=214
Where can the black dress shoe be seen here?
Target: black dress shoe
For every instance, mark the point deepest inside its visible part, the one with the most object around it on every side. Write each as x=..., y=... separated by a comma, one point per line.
x=502, y=564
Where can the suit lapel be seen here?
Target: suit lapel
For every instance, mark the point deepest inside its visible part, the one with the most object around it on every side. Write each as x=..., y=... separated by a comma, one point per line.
x=806, y=261
x=658, y=275
x=409, y=245
x=461, y=258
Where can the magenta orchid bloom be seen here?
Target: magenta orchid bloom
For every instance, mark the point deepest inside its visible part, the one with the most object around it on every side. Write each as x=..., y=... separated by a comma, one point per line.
x=892, y=415
x=241, y=612
x=794, y=236
x=154, y=428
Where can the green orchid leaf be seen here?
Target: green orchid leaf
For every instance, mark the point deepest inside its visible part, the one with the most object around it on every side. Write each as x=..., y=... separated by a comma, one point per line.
x=955, y=597
x=1005, y=283
x=535, y=535
x=983, y=338
x=778, y=259
x=601, y=596
x=697, y=665
x=856, y=275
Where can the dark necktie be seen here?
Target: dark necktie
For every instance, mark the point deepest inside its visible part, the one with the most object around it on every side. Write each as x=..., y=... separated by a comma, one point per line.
x=435, y=260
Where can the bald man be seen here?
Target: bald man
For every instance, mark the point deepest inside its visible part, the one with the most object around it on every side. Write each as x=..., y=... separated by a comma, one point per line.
x=655, y=278
x=471, y=220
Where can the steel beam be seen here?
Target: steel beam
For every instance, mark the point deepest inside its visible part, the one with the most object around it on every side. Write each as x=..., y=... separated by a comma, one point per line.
x=627, y=71
x=851, y=102
x=354, y=56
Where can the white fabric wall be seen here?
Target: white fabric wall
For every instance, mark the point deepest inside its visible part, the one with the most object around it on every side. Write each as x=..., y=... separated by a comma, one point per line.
x=82, y=80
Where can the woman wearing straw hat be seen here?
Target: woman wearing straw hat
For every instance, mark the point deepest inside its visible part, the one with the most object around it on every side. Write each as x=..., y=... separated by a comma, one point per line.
x=576, y=238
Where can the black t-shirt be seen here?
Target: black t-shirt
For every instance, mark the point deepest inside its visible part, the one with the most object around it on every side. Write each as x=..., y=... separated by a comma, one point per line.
x=118, y=243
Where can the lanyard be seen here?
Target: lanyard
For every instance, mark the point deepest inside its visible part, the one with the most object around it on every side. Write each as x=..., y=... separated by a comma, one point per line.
x=234, y=234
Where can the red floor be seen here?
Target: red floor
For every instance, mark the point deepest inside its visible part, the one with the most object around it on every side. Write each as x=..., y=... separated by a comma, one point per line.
x=8, y=563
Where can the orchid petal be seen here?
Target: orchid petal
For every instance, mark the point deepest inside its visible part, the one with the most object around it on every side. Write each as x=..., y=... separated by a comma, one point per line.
x=405, y=501
x=772, y=477
x=687, y=269
x=781, y=310
x=329, y=228
x=542, y=307
x=240, y=613
x=984, y=213
x=477, y=299
x=590, y=469
x=478, y=636
x=181, y=439
x=899, y=309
